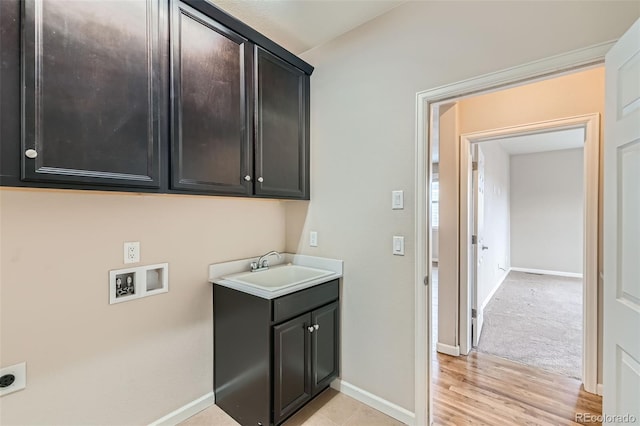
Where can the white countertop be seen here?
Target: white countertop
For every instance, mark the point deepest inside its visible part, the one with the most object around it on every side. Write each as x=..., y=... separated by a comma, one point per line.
x=219, y=271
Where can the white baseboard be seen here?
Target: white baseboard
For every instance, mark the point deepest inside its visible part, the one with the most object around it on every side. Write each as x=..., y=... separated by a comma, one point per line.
x=546, y=272
x=448, y=349
x=186, y=411
x=374, y=401
x=493, y=292
x=599, y=389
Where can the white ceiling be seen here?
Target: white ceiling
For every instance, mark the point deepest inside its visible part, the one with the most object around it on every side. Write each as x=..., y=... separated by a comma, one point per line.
x=299, y=25
x=540, y=142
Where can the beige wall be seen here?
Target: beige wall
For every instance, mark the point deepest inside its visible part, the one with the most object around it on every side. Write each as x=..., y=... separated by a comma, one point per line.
x=131, y=363
x=565, y=96
x=362, y=134
x=89, y=362
x=448, y=253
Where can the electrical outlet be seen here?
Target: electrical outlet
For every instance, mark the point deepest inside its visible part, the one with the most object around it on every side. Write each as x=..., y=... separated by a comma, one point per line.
x=132, y=252
x=313, y=239
x=13, y=378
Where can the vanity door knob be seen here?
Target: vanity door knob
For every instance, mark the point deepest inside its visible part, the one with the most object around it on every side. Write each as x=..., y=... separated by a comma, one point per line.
x=310, y=328
x=247, y=178
x=31, y=153
x=260, y=179
x=316, y=326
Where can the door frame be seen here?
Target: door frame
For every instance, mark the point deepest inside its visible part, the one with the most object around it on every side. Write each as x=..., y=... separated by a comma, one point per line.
x=474, y=254
x=591, y=168
x=425, y=100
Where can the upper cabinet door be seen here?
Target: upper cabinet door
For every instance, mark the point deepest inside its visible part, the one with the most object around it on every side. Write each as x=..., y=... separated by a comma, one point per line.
x=282, y=133
x=210, y=71
x=92, y=98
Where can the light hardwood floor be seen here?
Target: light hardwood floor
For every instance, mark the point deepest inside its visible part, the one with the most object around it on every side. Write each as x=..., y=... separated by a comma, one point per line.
x=478, y=389
x=488, y=390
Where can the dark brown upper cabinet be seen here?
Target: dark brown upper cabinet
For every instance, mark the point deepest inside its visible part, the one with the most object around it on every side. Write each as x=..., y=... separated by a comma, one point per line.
x=92, y=93
x=165, y=96
x=281, y=128
x=239, y=113
x=211, y=69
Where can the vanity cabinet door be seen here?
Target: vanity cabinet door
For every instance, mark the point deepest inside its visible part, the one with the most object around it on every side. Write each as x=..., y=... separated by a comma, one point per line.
x=291, y=366
x=211, y=69
x=325, y=343
x=282, y=131
x=92, y=92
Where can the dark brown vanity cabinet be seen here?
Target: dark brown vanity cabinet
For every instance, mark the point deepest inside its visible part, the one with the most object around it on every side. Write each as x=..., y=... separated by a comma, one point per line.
x=272, y=356
x=305, y=359
x=92, y=92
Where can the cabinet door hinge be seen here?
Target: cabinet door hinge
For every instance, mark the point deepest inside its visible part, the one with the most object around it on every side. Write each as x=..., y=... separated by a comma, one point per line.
x=474, y=165
x=474, y=239
x=474, y=313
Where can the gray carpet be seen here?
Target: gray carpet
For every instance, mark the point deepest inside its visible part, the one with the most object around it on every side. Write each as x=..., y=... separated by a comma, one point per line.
x=536, y=320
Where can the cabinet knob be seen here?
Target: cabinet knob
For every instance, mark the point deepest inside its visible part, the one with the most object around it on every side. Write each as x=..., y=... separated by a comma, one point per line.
x=31, y=153
x=310, y=328
x=247, y=178
x=260, y=179
x=316, y=326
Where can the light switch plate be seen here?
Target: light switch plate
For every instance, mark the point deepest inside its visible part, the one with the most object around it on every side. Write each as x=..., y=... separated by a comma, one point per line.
x=313, y=239
x=398, y=245
x=397, y=200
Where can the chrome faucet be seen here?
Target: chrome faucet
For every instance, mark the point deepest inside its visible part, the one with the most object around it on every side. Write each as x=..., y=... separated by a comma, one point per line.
x=263, y=261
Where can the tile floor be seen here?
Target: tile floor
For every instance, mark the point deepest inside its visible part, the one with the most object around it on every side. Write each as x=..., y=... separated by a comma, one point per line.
x=330, y=408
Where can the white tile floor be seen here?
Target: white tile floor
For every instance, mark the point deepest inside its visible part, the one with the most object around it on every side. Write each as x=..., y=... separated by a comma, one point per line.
x=330, y=408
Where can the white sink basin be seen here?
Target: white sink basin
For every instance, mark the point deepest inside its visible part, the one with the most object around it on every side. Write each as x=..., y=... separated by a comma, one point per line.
x=279, y=277
x=293, y=272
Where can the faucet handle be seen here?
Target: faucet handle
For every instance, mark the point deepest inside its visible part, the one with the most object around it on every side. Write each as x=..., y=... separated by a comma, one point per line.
x=254, y=266
x=265, y=263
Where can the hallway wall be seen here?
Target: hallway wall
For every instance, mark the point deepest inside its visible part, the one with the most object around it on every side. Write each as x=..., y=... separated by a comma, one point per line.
x=547, y=210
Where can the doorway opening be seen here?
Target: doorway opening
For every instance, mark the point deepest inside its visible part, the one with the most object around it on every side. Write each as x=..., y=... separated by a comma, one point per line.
x=457, y=256
x=526, y=204
x=588, y=127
